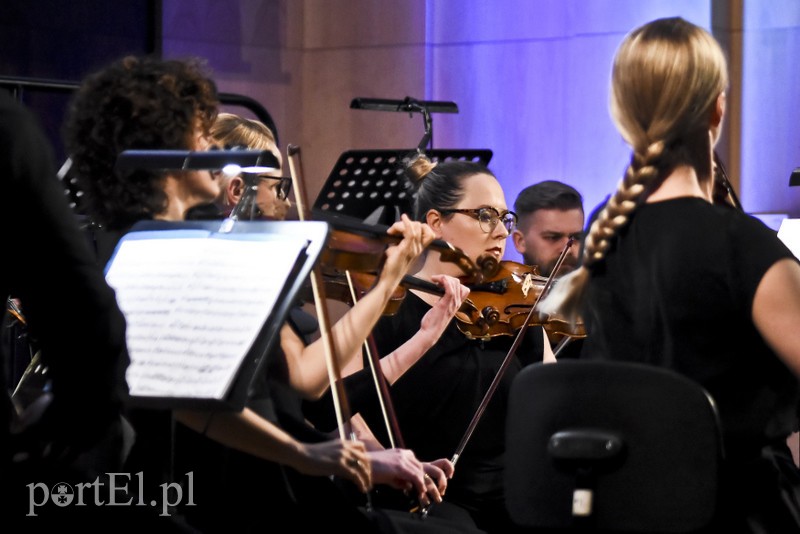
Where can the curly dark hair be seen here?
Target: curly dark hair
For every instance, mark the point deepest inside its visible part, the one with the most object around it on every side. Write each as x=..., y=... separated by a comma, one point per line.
x=134, y=103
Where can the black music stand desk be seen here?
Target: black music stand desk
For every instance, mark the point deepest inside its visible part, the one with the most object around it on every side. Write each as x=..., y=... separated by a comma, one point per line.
x=369, y=184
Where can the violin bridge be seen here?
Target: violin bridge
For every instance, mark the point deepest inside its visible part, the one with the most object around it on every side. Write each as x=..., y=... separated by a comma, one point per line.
x=527, y=284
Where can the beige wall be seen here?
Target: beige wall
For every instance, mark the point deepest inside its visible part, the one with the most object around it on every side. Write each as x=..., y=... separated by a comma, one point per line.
x=304, y=60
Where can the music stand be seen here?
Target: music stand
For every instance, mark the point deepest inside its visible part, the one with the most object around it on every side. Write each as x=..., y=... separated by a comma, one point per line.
x=794, y=178
x=201, y=322
x=369, y=185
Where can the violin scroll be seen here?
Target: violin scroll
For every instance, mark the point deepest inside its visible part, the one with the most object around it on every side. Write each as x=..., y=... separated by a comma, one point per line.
x=488, y=265
x=723, y=191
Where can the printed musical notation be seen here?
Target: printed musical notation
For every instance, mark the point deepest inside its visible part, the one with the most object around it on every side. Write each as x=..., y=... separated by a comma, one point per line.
x=789, y=233
x=194, y=304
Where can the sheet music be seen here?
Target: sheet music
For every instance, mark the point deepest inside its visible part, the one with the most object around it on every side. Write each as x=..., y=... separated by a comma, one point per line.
x=789, y=233
x=194, y=305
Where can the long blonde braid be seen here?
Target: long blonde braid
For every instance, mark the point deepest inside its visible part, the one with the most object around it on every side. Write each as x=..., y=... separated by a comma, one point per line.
x=667, y=75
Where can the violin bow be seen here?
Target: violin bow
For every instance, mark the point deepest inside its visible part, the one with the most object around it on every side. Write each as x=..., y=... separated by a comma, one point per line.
x=561, y=344
x=340, y=403
x=381, y=387
x=506, y=362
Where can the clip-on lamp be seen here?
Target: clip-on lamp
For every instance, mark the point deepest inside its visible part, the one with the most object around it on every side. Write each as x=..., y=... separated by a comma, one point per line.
x=409, y=105
x=232, y=161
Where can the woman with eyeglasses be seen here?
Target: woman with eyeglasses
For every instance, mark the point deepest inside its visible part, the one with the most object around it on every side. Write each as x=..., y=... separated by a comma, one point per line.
x=145, y=102
x=271, y=190
x=436, y=396
x=294, y=371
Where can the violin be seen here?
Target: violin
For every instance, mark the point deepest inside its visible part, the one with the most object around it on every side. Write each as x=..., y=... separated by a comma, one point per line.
x=723, y=191
x=338, y=288
x=500, y=306
x=356, y=250
x=358, y=247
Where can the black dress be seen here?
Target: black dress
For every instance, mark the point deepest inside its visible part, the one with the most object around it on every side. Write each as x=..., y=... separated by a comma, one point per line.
x=72, y=315
x=261, y=491
x=436, y=399
x=676, y=290
x=258, y=490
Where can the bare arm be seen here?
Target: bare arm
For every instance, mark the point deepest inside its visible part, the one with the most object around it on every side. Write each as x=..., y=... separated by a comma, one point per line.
x=308, y=372
x=433, y=324
x=776, y=311
x=547, y=354
x=247, y=432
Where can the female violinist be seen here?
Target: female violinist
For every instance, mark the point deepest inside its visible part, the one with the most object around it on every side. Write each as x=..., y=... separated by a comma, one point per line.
x=172, y=104
x=297, y=369
x=672, y=279
x=436, y=396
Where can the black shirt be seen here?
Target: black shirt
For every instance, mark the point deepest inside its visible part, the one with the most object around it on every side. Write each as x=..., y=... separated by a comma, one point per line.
x=676, y=290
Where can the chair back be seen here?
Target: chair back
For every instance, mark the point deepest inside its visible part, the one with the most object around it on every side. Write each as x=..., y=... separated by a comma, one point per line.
x=611, y=446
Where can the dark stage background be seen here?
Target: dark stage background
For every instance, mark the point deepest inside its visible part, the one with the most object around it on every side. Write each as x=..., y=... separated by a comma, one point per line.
x=63, y=41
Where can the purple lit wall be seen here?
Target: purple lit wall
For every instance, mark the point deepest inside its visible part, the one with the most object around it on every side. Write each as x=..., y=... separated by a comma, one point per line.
x=771, y=107
x=530, y=78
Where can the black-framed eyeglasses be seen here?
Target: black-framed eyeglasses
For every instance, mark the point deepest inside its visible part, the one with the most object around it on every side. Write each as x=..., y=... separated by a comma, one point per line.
x=284, y=187
x=488, y=217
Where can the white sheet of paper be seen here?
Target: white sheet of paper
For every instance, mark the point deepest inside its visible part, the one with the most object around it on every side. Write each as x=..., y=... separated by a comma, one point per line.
x=789, y=233
x=193, y=308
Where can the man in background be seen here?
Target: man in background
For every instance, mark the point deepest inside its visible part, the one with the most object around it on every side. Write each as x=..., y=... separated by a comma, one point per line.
x=549, y=213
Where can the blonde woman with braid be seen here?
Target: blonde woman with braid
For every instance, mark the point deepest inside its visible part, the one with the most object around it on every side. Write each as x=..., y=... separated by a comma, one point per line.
x=672, y=280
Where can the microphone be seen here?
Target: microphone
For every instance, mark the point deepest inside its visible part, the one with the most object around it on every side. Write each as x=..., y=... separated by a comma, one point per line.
x=233, y=161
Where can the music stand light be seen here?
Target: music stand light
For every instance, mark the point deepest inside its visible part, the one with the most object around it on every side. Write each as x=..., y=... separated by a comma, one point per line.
x=407, y=105
x=253, y=161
